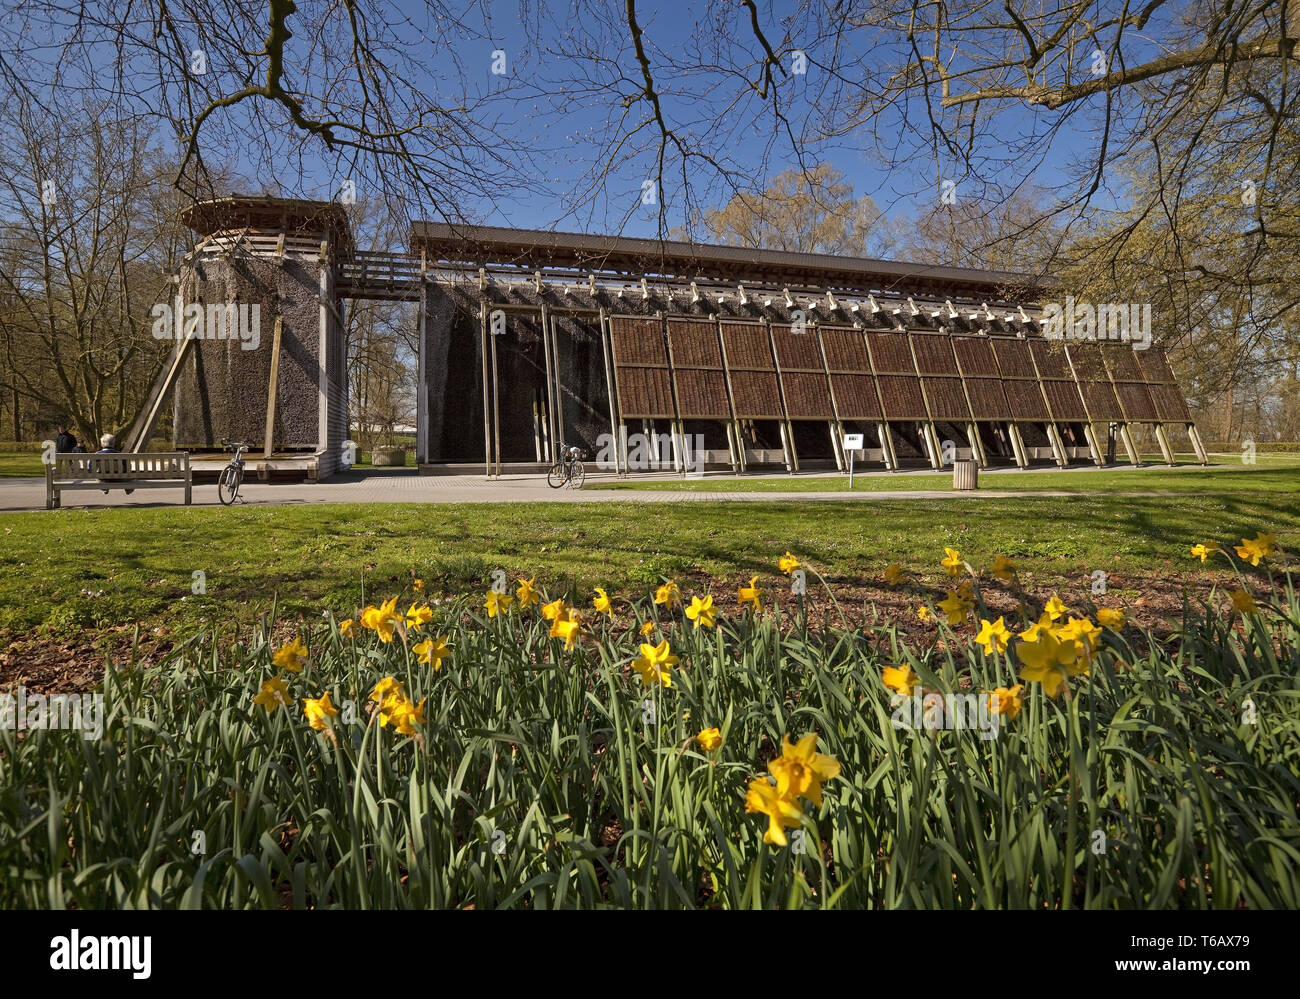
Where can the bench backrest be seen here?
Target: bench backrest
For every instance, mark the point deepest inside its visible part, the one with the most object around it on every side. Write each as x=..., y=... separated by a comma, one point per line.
x=147, y=465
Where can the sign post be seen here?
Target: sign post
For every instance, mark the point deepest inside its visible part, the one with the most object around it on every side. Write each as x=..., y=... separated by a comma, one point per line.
x=852, y=444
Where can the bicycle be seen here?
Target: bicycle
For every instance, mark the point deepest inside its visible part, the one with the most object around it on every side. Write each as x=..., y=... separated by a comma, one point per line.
x=232, y=475
x=568, y=471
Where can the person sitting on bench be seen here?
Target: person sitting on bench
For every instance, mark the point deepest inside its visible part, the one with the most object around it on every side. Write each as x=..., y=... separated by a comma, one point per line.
x=108, y=445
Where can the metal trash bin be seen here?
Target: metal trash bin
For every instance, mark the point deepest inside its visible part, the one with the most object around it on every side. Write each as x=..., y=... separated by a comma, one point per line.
x=965, y=474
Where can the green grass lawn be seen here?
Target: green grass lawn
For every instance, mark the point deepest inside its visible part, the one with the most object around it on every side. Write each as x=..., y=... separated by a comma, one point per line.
x=1273, y=473
x=138, y=564
x=17, y=464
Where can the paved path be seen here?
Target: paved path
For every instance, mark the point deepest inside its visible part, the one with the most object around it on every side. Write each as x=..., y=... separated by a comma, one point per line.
x=19, y=494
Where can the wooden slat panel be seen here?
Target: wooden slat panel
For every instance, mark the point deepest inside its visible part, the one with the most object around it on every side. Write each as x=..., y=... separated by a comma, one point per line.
x=1049, y=355
x=845, y=350
x=1154, y=363
x=890, y=353
x=638, y=341
x=747, y=346
x=975, y=355
x=1121, y=361
x=1013, y=356
x=987, y=400
x=934, y=354
x=1101, y=401
x=694, y=343
x=645, y=392
x=1169, y=403
x=1136, y=401
x=947, y=400
x=855, y=396
x=756, y=395
x=1064, y=400
x=1025, y=399
x=702, y=394
x=796, y=351
x=1087, y=362
x=806, y=395
x=902, y=397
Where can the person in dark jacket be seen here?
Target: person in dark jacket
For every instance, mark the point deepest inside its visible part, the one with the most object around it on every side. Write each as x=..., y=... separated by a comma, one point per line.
x=64, y=442
x=108, y=445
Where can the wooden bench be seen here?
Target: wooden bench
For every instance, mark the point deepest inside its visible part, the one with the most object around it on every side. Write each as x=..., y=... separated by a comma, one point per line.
x=160, y=470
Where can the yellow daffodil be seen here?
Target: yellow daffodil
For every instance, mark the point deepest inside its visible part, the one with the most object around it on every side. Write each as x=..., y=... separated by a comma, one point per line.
x=787, y=563
x=1055, y=608
x=556, y=610
x=497, y=603
x=655, y=664
x=966, y=590
x=782, y=812
x=273, y=693
x=1244, y=603
x=1048, y=661
x=1256, y=548
x=923, y=612
x=893, y=574
x=526, y=593
x=993, y=635
x=800, y=769
x=1082, y=631
x=955, y=609
x=388, y=687
x=566, y=627
x=418, y=585
x=709, y=739
x=1006, y=701
x=702, y=612
x=648, y=628
x=1042, y=625
x=951, y=561
x=1201, y=551
x=418, y=617
x=403, y=715
x=319, y=711
x=432, y=651
x=601, y=603
x=1004, y=569
x=668, y=595
x=1111, y=618
x=900, y=679
x=751, y=594
x=382, y=620
x=291, y=656
x=348, y=628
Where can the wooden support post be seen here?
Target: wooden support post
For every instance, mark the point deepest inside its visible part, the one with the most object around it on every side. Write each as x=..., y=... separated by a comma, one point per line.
x=487, y=388
x=1058, y=445
x=787, y=426
x=887, y=447
x=1165, y=448
x=554, y=455
x=496, y=405
x=732, y=446
x=1127, y=440
x=785, y=447
x=977, y=444
x=837, y=444
x=1018, y=446
x=1197, y=446
x=422, y=374
x=268, y=440
x=930, y=434
x=322, y=373
x=622, y=447
x=609, y=383
x=1098, y=455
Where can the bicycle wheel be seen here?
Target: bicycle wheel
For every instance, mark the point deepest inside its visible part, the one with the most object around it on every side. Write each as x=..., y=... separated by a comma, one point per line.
x=577, y=474
x=555, y=477
x=228, y=485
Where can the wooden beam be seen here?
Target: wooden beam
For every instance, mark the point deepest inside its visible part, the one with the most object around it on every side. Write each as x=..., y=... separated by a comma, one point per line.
x=269, y=437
